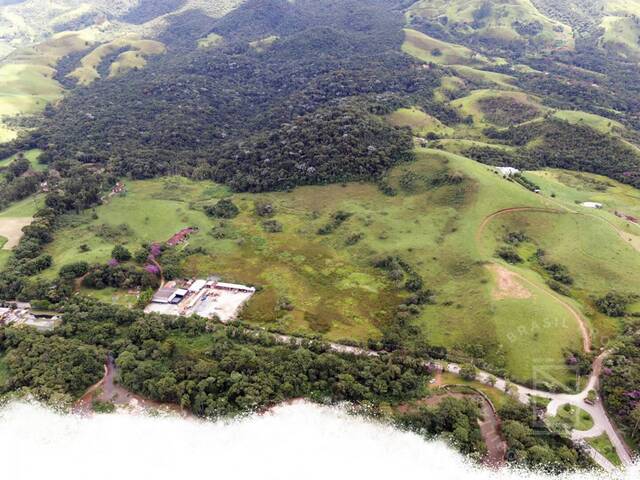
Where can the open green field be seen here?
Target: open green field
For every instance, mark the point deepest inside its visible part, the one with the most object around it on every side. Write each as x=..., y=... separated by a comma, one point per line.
x=26, y=76
x=211, y=40
x=501, y=80
x=31, y=155
x=438, y=223
x=496, y=21
x=476, y=105
x=575, y=418
x=602, y=124
x=429, y=49
x=603, y=445
x=133, y=57
x=621, y=33
x=420, y=123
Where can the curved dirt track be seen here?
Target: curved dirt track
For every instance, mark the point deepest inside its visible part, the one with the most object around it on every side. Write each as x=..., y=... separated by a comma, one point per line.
x=582, y=323
x=504, y=211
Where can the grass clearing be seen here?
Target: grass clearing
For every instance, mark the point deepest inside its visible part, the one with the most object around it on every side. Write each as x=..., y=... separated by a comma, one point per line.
x=497, y=397
x=498, y=23
x=31, y=155
x=211, y=40
x=513, y=104
x=442, y=202
x=420, y=123
x=429, y=49
x=500, y=80
x=133, y=57
x=575, y=418
x=603, y=445
x=577, y=117
x=12, y=220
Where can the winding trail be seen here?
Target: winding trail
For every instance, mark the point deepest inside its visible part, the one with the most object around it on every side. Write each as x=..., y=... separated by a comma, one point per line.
x=579, y=318
x=504, y=211
x=582, y=322
x=107, y=390
x=602, y=422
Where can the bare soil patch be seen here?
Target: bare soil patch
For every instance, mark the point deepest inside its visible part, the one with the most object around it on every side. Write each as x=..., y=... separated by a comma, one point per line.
x=11, y=229
x=508, y=285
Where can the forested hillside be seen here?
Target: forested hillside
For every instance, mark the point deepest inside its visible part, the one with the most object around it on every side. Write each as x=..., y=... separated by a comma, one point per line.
x=218, y=113
x=339, y=157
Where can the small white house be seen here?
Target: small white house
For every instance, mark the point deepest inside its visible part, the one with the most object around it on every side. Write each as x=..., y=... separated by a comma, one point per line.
x=197, y=286
x=592, y=205
x=507, y=171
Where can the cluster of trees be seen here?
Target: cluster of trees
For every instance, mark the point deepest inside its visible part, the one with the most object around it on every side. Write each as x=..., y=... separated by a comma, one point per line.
x=620, y=381
x=532, y=445
x=456, y=418
x=399, y=332
x=506, y=111
x=337, y=219
x=164, y=359
x=613, y=304
x=299, y=112
x=119, y=276
x=560, y=144
x=224, y=208
x=49, y=367
x=14, y=184
x=28, y=257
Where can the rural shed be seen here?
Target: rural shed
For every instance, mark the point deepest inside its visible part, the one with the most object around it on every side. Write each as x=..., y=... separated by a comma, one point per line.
x=234, y=287
x=507, y=171
x=197, y=286
x=592, y=205
x=164, y=295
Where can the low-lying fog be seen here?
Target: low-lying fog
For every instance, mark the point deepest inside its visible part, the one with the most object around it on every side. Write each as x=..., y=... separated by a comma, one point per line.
x=299, y=441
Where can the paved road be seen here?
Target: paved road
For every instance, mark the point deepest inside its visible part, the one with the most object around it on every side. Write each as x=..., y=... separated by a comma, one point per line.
x=601, y=421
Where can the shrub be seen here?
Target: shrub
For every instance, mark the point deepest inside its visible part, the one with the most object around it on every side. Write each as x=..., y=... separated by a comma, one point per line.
x=468, y=372
x=74, y=270
x=121, y=253
x=225, y=208
x=272, y=226
x=265, y=209
x=509, y=255
x=613, y=304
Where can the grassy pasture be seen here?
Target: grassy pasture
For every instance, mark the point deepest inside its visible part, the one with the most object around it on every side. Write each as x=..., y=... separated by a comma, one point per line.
x=603, y=445
x=429, y=49
x=420, y=123
x=331, y=284
x=501, y=80
x=589, y=242
x=11, y=221
x=263, y=43
x=134, y=57
x=473, y=104
x=26, y=77
x=497, y=22
x=211, y=40
x=621, y=34
x=31, y=155
x=602, y=124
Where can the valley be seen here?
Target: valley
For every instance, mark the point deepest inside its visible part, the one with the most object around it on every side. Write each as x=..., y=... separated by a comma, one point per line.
x=436, y=204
